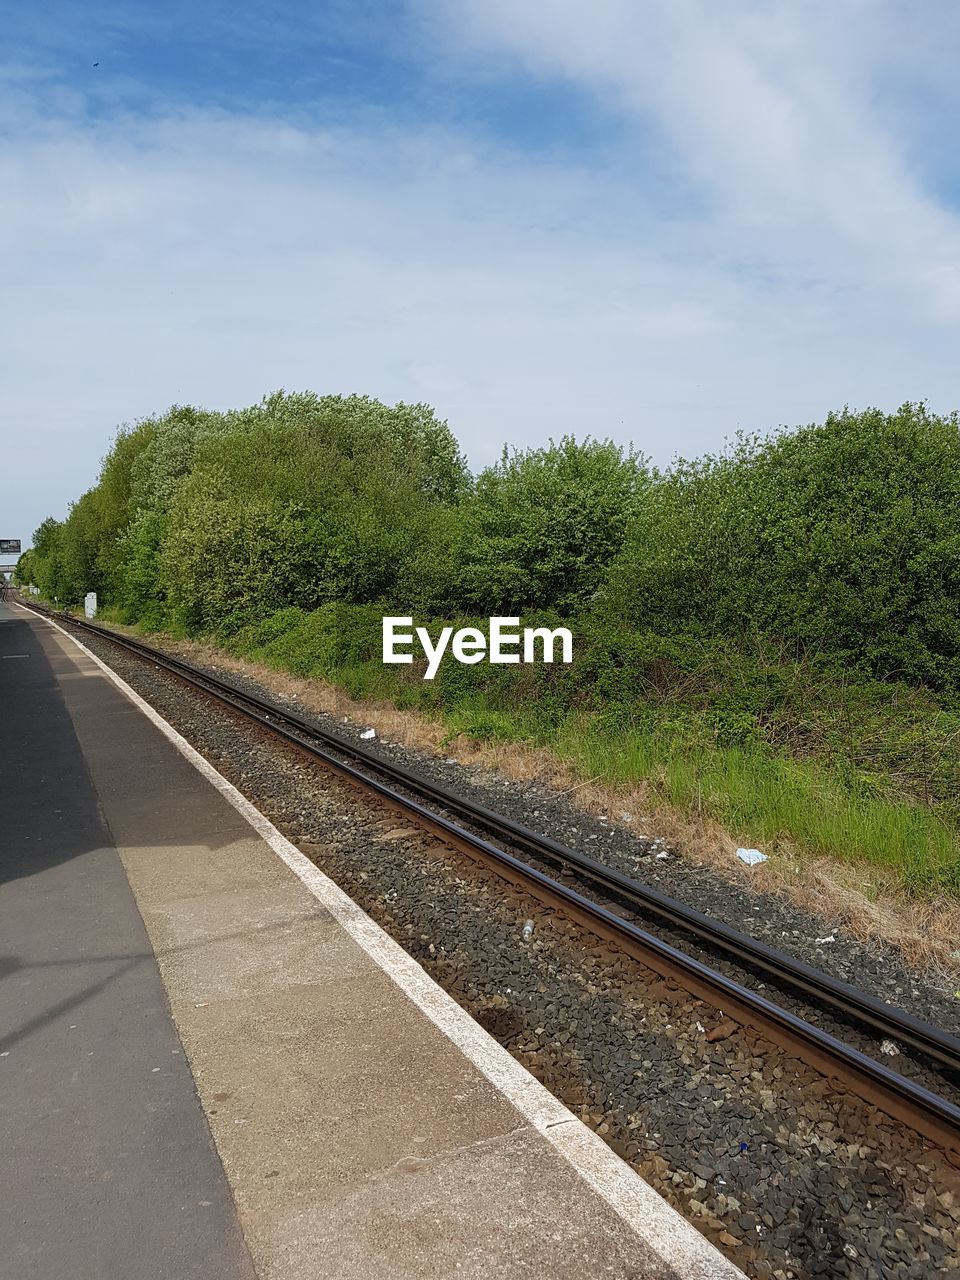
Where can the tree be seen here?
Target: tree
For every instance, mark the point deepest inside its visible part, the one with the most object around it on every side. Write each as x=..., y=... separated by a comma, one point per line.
x=543, y=524
x=842, y=537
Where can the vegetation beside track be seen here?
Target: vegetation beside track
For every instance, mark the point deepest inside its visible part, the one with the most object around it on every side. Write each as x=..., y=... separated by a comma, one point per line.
x=770, y=638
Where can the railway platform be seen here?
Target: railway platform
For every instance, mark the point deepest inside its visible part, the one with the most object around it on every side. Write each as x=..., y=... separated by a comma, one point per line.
x=213, y=1063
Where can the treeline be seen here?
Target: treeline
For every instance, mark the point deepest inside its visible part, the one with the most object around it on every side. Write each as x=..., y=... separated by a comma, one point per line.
x=840, y=540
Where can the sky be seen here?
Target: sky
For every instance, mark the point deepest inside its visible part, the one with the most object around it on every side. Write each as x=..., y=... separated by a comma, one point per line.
x=659, y=223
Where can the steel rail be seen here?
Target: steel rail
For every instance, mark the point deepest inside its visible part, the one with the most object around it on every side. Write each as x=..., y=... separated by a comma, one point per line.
x=927, y=1112
x=885, y=1018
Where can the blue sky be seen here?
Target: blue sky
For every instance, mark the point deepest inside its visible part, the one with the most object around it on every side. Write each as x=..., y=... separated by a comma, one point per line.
x=660, y=223
x=314, y=64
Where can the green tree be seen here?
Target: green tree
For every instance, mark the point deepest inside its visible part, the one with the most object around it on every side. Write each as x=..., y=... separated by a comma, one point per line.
x=301, y=500
x=47, y=558
x=842, y=537
x=542, y=525
x=25, y=570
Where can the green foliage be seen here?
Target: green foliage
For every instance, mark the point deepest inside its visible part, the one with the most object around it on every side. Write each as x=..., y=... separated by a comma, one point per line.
x=25, y=570
x=47, y=559
x=198, y=517
x=776, y=801
x=752, y=630
x=298, y=501
x=542, y=526
x=768, y=745
x=138, y=591
x=321, y=644
x=842, y=538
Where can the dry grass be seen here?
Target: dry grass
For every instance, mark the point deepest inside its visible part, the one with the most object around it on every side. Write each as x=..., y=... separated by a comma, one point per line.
x=863, y=900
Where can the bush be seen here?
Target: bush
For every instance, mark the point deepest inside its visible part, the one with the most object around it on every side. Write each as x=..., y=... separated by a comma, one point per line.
x=541, y=526
x=843, y=539
x=322, y=643
x=771, y=635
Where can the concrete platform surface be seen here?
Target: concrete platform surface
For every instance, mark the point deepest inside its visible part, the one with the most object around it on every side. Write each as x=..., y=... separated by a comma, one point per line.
x=362, y=1124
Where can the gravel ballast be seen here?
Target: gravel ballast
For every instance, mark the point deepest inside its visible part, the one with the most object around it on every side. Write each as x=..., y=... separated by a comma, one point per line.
x=870, y=966
x=787, y=1176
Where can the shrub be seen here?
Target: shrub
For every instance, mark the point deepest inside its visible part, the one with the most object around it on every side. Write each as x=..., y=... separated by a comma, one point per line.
x=843, y=539
x=542, y=525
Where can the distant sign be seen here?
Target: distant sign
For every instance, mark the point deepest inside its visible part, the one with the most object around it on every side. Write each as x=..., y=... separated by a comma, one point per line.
x=9, y=545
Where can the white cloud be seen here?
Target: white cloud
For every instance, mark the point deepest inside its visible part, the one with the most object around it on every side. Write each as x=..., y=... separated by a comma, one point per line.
x=204, y=257
x=773, y=109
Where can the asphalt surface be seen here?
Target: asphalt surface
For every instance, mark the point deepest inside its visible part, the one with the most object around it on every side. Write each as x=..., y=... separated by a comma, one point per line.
x=108, y=1167
x=366, y=1128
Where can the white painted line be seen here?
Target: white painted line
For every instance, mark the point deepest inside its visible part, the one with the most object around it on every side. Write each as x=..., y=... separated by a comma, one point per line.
x=666, y=1231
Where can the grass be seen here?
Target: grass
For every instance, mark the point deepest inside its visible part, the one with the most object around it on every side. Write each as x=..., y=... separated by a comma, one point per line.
x=797, y=806
x=794, y=758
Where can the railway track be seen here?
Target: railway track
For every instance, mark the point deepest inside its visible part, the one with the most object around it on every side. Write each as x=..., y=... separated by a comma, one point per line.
x=472, y=829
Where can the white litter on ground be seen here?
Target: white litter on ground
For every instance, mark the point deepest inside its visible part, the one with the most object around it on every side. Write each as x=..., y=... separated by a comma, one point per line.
x=890, y=1048
x=369, y=733
x=829, y=938
x=751, y=856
